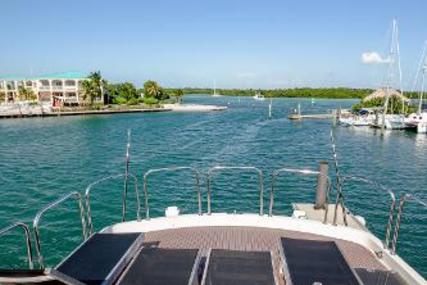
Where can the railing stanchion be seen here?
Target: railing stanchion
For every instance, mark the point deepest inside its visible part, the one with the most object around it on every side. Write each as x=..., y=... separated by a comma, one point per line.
x=124, y=197
x=26, y=230
x=389, y=226
x=37, y=218
x=247, y=168
x=171, y=169
x=125, y=186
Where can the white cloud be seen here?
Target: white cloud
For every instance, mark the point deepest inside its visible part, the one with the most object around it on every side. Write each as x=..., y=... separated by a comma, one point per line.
x=372, y=57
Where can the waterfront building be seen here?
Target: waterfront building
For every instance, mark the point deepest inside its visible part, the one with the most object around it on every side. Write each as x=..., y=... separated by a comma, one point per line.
x=58, y=89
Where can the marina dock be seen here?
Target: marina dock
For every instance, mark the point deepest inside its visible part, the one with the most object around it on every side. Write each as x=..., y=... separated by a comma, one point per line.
x=311, y=116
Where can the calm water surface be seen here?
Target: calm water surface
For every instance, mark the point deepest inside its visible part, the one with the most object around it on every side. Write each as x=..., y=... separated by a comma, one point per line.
x=42, y=159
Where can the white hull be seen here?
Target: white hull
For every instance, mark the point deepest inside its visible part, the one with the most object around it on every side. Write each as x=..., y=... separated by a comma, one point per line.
x=392, y=122
x=422, y=128
x=417, y=121
x=358, y=121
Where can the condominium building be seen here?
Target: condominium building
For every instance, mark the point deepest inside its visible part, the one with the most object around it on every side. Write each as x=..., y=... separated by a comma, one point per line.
x=57, y=89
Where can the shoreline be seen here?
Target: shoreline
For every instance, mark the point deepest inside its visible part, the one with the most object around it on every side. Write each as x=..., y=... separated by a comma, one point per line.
x=164, y=108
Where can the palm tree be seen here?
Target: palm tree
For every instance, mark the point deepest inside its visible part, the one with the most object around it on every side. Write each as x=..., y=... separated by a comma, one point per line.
x=26, y=93
x=94, y=86
x=89, y=91
x=178, y=94
x=152, y=89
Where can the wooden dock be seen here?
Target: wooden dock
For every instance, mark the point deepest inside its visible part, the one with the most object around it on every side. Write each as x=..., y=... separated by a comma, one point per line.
x=311, y=117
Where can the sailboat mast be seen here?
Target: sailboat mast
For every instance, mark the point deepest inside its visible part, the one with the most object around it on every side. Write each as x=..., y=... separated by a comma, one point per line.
x=389, y=78
x=396, y=39
x=420, y=68
x=420, y=104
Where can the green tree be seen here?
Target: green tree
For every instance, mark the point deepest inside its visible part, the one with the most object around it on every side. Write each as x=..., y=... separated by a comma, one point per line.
x=122, y=93
x=26, y=94
x=93, y=86
x=178, y=94
x=128, y=91
x=152, y=89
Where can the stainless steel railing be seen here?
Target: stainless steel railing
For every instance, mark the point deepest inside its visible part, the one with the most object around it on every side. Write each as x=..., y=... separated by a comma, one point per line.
x=39, y=215
x=338, y=183
x=402, y=201
x=27, y=234
x=244, y=168
x=392, y=207
x=277, y=172
x=124, y=198
x=172, y=169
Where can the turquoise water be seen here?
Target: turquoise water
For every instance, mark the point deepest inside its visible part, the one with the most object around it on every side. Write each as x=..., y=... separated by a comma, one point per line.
x=41, y=159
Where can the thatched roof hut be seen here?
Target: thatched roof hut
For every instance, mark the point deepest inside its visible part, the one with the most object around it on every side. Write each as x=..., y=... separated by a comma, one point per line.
x=382, y=93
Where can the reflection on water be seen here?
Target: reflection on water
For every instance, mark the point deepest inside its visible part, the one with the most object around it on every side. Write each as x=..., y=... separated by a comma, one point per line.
x=40, y=159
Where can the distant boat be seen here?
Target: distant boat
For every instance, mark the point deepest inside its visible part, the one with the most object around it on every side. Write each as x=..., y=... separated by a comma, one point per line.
x=418, y=120
x=215, y=94
x=258, y=96
x=393, y=121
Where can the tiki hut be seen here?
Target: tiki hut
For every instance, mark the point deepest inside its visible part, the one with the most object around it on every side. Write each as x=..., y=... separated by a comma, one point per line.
x=382, y=92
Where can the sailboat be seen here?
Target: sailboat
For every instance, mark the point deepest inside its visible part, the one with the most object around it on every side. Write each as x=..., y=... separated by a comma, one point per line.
x=393, y=121
x=214, y=91
x=418, y=120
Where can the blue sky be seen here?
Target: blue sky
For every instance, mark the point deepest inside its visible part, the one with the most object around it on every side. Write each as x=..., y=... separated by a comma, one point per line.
x=239, y=43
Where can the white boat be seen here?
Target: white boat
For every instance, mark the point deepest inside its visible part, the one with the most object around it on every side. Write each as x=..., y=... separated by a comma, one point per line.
x=259, y=96
x=320, y=243
x=363, y=118
x=418, y=120
x=386, y=120
x=392, y=122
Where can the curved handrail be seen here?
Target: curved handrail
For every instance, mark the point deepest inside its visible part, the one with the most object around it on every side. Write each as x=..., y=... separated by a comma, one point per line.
x=75, y=195
x=26, y=230
x=392, y=204
x=171, y=169
x=124, y=198
x=302, y=172
x=402, y=200
x=250, y=168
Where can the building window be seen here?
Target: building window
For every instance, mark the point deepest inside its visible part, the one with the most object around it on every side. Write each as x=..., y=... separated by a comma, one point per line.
x=70, y=83
x=57, y=83
x=44, y=82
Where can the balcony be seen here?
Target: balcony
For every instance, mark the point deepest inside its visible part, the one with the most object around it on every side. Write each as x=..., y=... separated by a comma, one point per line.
x=44, y=88
x=57, y=88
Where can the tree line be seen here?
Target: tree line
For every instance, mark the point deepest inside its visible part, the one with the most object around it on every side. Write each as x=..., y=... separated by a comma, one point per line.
x=306, y=92
x=127, y=93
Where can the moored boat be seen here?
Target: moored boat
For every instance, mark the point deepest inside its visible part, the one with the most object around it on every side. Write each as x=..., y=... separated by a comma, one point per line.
x=259, y=96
